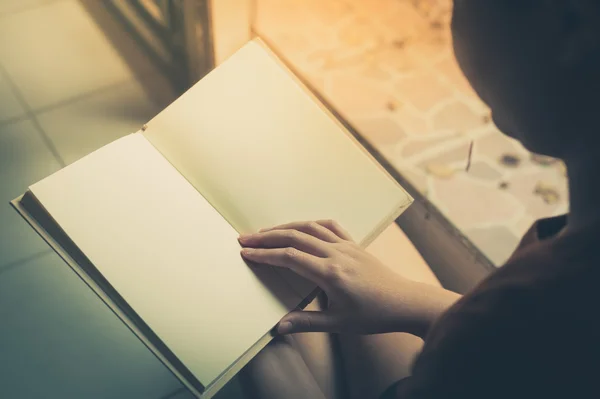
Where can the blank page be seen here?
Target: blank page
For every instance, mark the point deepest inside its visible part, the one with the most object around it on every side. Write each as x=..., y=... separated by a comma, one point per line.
x=167, y=252
x=264, y=152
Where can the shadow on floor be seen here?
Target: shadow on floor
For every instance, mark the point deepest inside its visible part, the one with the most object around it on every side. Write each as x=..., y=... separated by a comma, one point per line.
x=146, y=69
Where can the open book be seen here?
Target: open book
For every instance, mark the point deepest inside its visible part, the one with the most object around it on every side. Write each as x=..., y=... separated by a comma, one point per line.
x=150, y=221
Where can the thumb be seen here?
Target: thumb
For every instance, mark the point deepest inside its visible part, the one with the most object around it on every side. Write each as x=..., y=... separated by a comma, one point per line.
x=308, y=321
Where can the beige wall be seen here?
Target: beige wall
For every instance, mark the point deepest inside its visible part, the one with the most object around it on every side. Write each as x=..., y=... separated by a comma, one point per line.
x=230, y=26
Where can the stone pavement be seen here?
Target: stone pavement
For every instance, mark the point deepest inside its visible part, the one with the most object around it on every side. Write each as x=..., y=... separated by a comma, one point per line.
x=387, y=66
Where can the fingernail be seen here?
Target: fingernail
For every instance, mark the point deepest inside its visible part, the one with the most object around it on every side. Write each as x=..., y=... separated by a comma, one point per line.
x=284, y=327
x=244, y=237
x=246, y=251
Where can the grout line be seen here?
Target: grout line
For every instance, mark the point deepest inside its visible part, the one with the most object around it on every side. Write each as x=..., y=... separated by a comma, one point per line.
x=82, y=96
x=49, y=144
x=20, y=262
x=14, y=119
x=31, y=115
x=61, y=103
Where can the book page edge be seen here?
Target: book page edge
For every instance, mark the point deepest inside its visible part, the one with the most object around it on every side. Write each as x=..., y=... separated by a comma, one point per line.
x=387, y=221
x=295, y=76
x=63, y=254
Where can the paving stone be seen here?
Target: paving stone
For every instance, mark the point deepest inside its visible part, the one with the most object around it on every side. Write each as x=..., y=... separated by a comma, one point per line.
x=450, y=69
x=494, y=145
x=457, y=116
x=413, y=124
x=357, y=97
x=424, y=91
x=389, y=64
x=469, y=204
x=417, y=179
x=523, y=188
x=498, y=242
x=450, y=157
x=382, y=130
x=482, y=170
x=415, y=147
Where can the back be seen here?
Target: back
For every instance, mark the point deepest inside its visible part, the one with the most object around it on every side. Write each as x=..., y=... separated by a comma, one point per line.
x=530, y=330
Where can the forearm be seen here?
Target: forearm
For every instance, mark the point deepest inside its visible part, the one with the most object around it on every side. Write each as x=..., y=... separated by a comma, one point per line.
x=421, y=306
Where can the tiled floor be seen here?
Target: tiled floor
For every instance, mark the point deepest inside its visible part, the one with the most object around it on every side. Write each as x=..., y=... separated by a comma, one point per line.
x=387, y=66
x=58, y=340
x=64, y=91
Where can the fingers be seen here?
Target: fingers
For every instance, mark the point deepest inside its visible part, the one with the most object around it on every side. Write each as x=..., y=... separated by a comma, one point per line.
x=302, y=263
x=287, y=239
x=300, y=321
x=334, y=227
x=326, y=230
x=314, y=229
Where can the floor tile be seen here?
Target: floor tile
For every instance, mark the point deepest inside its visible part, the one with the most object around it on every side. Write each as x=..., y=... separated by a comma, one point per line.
x=455, y=155
x=10, y=6
x=423, y=90
x=456, y=116
x=11, y=108
x=81, y=127
x=450, y=69
x=56, y=52
x=24, y=159
x=469, y=204
x=493, y=145
x=181, y=393
x=18, y=240
x=523, y=187
x=380, y=131
x=484, y=171
x=60, y=341
x=418, y=146
x=343, y=91
x=232, y=390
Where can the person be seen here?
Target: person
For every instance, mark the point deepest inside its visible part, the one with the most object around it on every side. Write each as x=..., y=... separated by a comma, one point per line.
x=531, y=329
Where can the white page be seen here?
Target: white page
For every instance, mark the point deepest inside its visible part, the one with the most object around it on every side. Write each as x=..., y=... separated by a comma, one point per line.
x=168, y=253
x=263, y=152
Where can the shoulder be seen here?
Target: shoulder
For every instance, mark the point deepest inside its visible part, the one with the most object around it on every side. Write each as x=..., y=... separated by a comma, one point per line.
x=506, y=333
x=529, y=330
x=525, y=297
x=511, y=293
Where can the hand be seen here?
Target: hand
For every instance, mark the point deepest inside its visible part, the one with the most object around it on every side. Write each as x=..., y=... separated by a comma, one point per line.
x=365, y=296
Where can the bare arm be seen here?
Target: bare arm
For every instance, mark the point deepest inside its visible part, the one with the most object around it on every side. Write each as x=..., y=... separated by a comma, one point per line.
x=365, y=296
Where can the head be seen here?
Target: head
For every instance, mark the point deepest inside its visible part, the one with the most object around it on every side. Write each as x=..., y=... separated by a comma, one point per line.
x=536, y=63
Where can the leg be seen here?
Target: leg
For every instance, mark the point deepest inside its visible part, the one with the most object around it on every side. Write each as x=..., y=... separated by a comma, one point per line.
x=296, y=366
x=308, y=365
x=279, y=372
x=321, y=354
x=374, y=362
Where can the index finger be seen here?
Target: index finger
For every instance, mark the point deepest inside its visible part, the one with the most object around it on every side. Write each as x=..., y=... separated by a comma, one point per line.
x=311, y=228
x=331, y=230
x=306, y=265
x=335, y=227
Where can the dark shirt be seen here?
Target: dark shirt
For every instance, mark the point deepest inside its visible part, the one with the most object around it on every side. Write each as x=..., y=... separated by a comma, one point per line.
x=530, y=330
